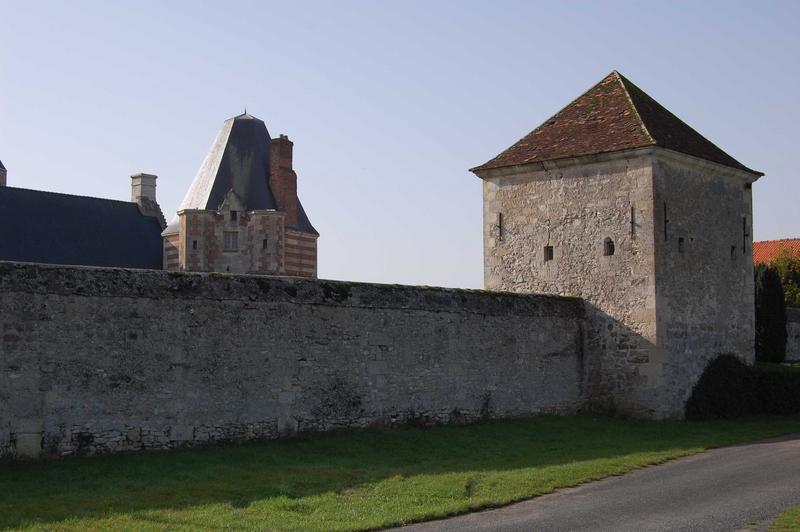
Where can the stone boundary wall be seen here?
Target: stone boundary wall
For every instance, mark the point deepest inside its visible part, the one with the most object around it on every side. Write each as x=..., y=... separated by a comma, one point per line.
x=102, y=360
x=793, y=333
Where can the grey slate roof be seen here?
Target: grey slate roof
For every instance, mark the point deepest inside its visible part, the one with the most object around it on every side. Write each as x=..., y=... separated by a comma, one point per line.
x=239, y=159
x=1, y=166
x=38, y=226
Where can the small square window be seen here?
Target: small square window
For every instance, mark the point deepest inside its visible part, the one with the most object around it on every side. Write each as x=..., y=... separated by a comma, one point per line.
x=230, y=240
x=608, y=247
x=548, y=253
x=234, y=216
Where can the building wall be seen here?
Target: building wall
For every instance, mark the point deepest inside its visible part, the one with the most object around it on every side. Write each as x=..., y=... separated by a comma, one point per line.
x=200, y=242
x=705, y=294
x=172, y=252
x=574, y=209
x=103, y=360
x=669, y=299
x=792, y=334
x=301, y=254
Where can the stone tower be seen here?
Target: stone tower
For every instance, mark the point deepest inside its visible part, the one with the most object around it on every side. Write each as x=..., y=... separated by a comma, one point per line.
x=241, y=213
x=617, y=201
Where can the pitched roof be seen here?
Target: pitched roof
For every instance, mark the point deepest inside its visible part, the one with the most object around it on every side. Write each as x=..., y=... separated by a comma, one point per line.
x=239, y=159
x=768, y=250
x=1, y=166
x=613, y=115
x=38, y=226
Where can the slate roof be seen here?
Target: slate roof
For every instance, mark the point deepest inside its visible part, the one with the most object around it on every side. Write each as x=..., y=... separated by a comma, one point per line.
x=239, y=159
x=611, y=116
x=1, y=166
x=38, y=226
x=766, y=251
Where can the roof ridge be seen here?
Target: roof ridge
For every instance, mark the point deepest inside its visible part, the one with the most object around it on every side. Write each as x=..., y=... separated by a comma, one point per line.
x=67, y=194
x=622, y=79
x=775, y=240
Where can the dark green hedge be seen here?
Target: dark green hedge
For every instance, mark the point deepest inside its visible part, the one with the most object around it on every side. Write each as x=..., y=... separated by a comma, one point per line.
x=770, y=315
x=730, y=388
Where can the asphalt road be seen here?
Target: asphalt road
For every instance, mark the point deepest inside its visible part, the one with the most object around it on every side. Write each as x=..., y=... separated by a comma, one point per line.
x=735, y=488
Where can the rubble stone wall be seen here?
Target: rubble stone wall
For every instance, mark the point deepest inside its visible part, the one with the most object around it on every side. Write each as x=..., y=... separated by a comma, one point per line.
x=102, y=360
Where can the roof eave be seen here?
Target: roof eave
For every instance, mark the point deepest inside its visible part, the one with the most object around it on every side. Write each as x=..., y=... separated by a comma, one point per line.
x=484, y=171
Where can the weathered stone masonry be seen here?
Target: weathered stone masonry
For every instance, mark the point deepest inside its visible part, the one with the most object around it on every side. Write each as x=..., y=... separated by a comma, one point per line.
x=104, y=360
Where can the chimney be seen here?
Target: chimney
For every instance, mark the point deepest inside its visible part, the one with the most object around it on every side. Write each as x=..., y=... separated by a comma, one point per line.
x=143, y=186
x=143, y=193
x=283, y=180
x=3, y=174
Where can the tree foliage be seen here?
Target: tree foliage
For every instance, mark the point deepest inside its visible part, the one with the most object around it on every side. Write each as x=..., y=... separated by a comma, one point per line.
x=770, y=315
x=788, y=267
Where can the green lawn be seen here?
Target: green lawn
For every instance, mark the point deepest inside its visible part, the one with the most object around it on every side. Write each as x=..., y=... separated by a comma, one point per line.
x=350, y=480
x=780, y=367
x=788, y=520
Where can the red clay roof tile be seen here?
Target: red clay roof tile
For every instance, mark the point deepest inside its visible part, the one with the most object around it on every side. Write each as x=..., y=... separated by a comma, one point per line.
x=613, y=115
x=769, y=250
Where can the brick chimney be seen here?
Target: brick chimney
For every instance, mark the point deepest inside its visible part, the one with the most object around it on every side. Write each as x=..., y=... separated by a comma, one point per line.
x=3, y=174
x=283, y=180
x=143, y=193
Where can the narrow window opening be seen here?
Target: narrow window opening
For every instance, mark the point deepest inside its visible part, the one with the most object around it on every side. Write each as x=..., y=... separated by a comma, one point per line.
x=230, y=241
x=264, y=244
x=666, y=221
x=680, y=244
x=633, y=222
x=733, y=252
x=745, y=234
x=608, y=247
x=548, y=253
x=194, y=244
x=234, y=216
x=500, y=226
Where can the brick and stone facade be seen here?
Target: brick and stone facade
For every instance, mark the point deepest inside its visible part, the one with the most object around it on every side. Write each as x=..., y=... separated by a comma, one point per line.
x=656, y=240
x=242, y=213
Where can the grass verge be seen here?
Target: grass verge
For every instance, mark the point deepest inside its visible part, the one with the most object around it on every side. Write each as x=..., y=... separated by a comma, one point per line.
x=788, y=520
x=351, y=480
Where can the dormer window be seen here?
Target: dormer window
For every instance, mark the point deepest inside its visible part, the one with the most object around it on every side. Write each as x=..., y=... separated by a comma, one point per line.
x=230, y=241
x=234, y=216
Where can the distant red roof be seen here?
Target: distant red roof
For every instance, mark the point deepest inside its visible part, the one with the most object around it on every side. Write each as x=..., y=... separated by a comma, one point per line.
x=613, y=115
x=769, y=250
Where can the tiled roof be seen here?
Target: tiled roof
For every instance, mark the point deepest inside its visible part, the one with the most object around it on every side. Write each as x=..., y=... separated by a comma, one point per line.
x=38, y=226
x=613, y=115
x=769, y=250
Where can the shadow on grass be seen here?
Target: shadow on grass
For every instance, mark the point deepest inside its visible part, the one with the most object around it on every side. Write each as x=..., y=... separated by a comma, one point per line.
x=338, y=462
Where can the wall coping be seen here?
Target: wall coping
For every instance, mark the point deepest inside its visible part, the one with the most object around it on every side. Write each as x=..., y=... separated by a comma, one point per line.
x=90, y=281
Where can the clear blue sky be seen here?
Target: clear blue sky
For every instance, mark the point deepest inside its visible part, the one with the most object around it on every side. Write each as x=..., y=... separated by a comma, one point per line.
x=388, y=103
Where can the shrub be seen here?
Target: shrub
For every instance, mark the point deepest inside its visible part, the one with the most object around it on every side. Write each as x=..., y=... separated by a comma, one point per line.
x=788, y=267
x=770, y=315
x=727, y=388
x=730, y=388
x=779, y=392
